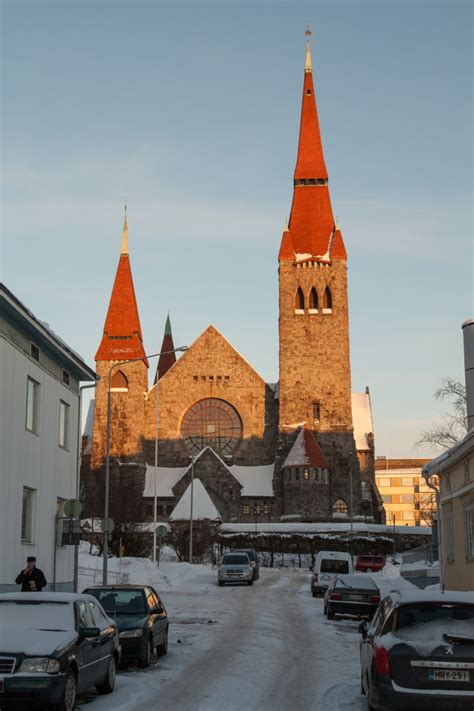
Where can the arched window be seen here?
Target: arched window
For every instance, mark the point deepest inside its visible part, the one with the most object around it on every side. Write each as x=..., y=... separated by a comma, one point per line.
x=340, y=508
x=327, y=301
x=212, y=422
x=313, y=301
x=299, y=300
x=119, y=382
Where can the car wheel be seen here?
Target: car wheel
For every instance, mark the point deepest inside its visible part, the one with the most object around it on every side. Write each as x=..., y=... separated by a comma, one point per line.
x=220, y=583
x=314, y=594
x=145, y=661
x=162, y=649
x=250, y=582
x=362, y=690
x=68, y=701
x=330, y=614
x=108, y=684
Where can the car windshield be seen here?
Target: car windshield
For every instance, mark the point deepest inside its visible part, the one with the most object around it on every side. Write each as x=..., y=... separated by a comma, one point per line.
x=332, y=565
x=251, y=555
x=120, y=602
x=37, y=615
x=423, y=613
x=235, y=559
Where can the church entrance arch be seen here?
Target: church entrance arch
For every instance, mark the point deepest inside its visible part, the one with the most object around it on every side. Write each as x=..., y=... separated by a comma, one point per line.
x=211, y=422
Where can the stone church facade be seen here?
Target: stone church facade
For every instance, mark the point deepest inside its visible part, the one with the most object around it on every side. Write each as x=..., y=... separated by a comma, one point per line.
x=300, y=449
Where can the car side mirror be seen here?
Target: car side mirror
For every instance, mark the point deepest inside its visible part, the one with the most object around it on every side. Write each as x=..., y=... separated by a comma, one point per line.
x=363, y=628
x=157, y=610
x=85, y=632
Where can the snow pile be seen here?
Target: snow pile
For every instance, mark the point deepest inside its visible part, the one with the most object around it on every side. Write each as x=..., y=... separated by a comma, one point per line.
x=142, y=571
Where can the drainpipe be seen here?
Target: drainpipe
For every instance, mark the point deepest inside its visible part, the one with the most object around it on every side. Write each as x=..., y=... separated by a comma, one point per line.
x=78, y=472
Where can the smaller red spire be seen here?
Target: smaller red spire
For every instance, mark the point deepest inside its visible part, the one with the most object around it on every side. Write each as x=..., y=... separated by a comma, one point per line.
x=306, y=452
x=122, y=338
x=168, y=356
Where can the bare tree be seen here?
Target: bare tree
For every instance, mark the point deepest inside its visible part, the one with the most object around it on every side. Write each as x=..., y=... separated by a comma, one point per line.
x=453, y=425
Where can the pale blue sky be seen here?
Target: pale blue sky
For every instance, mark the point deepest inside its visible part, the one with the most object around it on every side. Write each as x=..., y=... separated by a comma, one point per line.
x=190, y=112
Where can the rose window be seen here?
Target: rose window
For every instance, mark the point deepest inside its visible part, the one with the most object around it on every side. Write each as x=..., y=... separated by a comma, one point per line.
x=211, y=422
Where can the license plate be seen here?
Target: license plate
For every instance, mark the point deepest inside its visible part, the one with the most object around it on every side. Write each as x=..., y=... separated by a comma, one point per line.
x=449, y=675
x=356, y=597
x=325, y=577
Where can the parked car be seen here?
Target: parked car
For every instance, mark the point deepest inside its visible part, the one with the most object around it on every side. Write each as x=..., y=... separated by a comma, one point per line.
x=418, y=652
x=253, y=557
x=370, y=563
x=235, y=568
x=351, y=595
x=141, y=618
x=328, y=565
x=52, y=646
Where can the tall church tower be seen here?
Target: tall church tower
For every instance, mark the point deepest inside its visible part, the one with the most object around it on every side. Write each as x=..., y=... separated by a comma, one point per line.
x=315, y=383
x=121, y=341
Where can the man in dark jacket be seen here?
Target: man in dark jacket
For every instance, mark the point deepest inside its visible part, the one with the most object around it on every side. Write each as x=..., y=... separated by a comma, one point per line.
x=31, y=578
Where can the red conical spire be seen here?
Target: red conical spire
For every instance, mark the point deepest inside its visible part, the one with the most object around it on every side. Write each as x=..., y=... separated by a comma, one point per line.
x=168, y=356
x=122, y=339
x=312, y=228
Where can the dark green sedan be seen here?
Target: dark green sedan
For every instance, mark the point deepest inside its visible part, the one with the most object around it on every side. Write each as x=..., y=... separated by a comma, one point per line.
x=141, y=618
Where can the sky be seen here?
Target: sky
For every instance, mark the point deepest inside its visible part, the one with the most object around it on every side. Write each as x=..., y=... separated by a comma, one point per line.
x=189, y=112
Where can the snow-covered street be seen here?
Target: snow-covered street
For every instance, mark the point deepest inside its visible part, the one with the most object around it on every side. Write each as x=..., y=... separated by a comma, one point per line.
x=268, y=646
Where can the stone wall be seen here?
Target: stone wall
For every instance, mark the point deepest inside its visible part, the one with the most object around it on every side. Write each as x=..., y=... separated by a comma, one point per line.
x=127, y=422
x=314, y=348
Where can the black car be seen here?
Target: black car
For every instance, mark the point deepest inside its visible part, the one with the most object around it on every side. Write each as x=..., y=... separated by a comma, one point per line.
x=141, y=618
x=351, y=595
x=418, y=652
x=53, y=646
x=253, y=558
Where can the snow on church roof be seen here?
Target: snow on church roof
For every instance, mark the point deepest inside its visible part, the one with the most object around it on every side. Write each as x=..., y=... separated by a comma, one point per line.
x=203, y=506
x=362, y=419
x=306, y=452
x=255, y=481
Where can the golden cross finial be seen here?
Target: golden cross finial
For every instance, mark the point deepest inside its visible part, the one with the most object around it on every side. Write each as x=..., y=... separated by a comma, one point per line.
x=308, y=30
x=125, y=212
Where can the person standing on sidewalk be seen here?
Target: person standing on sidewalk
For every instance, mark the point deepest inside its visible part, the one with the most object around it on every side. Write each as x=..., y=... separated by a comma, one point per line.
x=31, y=578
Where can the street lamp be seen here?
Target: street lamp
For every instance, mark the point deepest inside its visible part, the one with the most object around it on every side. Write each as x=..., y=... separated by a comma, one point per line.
x=107, y=460
x=191, y=511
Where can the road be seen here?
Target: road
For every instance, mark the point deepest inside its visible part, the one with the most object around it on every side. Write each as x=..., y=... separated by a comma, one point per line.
x=262, y=647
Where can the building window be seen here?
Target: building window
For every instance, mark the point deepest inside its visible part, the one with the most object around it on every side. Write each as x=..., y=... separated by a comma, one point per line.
x=364, y=491
x=246, y=509
x=32, y=402
x=27, y=513
x=327, y=301
x=195, y=378
x=299, y=301
x=34, y=351
x=317, y=411
x=212, y=422
x=448, y=532
x=306, y=474
x=257, y=509
x=387, y=498
x=119, y=382
x=469, y=531
x=340, y=508
x=266, y=509
x=63, y=424
x=65, y=377
x=467, y=471
x=313, y=301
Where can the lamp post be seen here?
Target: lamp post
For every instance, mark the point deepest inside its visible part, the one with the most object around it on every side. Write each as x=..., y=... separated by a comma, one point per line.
x=352, y=498
x=191, y=511
x=107, y=460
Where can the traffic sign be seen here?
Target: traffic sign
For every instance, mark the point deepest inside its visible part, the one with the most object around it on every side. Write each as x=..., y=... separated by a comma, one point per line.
x=71, y=534
x=108, y=524
x=162, y=530
x=72, y=508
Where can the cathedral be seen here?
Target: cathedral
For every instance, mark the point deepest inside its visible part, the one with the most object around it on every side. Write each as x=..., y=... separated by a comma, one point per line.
x=301, y=449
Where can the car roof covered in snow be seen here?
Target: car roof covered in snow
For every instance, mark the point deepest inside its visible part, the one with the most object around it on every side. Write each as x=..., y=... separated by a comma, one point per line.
x=42, y=597
x=338, y=555
x=448, y=597
x=361, y=581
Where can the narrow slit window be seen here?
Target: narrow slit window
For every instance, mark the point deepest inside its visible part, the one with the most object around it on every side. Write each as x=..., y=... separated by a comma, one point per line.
x=299, y=300
x=327, y=301
x=313, y=301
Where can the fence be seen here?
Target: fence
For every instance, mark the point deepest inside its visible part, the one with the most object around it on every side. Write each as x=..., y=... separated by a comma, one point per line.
x=425, y=554
x=96, y=575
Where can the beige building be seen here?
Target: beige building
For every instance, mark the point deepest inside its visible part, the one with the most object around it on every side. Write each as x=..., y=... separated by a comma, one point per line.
x=407, y=499
x=455, y=469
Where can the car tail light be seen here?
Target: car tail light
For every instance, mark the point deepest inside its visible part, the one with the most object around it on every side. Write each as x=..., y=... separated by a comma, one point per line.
x=375, y=599
x=335, y=596
x=315, y=577
x=381, y=661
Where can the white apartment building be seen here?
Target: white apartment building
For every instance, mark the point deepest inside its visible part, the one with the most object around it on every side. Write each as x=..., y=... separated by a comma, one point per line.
x=39, y=426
